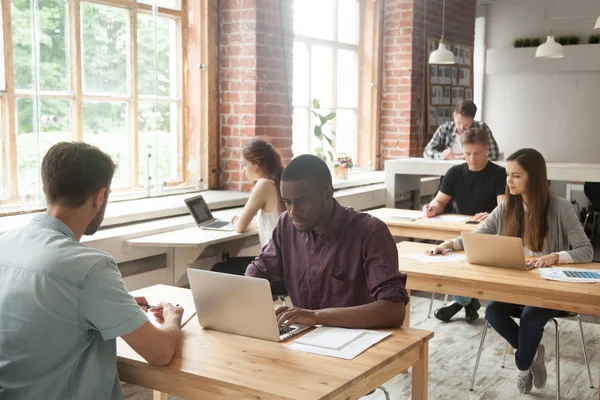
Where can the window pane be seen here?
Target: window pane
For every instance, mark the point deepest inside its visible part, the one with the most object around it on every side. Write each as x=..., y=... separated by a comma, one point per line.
x=2, y=77
x=301, y=69
x=348, y=21
x=347, y=79
x=105, y=42
x=2, y=183
x=105, y=126
x=54, y=126
x=314, y=142
x=173, y=4
x=301, y=132
x=160, y=80
x=346, y=138
x=49, y=31
x=314, y=18
x=158, y=127
x=321, y=72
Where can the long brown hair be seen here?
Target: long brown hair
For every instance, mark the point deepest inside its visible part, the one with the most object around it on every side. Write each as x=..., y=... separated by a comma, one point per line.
x=260, y=152
x=514, y=220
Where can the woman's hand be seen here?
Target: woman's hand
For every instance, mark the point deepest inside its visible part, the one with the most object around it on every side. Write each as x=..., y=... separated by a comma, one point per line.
x=235, y=219
x=442, y=249
x=544, y=261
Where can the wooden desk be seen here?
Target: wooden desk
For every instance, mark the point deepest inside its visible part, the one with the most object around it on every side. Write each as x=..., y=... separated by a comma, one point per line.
x=423, y=228
x=499, y=284
x=216, y=365
x=186, y=245
x=404, y=175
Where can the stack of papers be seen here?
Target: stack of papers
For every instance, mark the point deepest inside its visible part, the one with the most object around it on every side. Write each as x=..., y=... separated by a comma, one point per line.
x=566, y=274
x=451, y=218
x=337, y=342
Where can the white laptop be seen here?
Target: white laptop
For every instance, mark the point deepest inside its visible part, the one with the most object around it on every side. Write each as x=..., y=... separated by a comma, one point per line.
x=203, y=217
x=237, y=304
x=495, y=251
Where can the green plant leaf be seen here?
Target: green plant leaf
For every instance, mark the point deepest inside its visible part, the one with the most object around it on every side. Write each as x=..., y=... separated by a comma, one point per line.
x=322, y=119
x=330, y=156
x=318, y=132
x=329, y=116
x=333, y=133
x=329, y=140
x=319, y=150
x=316, y=103
x=316, y=114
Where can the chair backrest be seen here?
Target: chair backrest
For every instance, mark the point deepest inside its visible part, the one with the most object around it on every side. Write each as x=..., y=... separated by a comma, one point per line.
x=592, y=192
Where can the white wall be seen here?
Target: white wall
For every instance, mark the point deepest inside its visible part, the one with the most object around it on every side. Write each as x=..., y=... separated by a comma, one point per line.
x=554, y=111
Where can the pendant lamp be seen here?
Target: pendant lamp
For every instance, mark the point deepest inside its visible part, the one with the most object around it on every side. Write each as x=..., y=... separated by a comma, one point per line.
x=442, y=55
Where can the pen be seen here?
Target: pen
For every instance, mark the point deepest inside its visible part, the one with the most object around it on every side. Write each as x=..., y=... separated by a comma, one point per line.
x=148, y=306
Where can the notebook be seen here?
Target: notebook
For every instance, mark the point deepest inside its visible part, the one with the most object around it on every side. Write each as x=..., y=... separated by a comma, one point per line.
x=330, y=338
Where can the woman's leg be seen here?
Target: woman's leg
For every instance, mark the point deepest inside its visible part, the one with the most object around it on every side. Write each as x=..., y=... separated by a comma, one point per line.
x=533, y=320
x=499, y=315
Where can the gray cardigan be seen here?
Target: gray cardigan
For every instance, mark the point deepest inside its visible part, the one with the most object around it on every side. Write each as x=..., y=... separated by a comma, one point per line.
x=564, y=230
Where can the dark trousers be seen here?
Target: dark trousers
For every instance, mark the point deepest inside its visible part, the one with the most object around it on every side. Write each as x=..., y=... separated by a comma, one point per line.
x=525, y=337
x=238, y=265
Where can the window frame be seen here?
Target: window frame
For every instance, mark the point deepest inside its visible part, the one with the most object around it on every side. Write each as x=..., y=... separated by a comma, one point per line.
x=77, y=97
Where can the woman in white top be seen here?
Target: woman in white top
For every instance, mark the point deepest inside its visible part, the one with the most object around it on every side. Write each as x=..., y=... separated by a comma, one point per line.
x=262, y=165
x=551, y=233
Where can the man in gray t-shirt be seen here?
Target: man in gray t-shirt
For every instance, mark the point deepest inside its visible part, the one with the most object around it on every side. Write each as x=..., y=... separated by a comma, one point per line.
x=63, y=304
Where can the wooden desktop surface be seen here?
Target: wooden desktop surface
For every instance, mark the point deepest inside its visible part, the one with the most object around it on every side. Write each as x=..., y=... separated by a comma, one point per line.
x=422, y=228
x=217, y=365
x=500, y=284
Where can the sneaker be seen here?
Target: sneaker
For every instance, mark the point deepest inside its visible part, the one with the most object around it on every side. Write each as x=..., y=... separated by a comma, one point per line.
x=471, y=314
x=445, y=313
x=538, y=368
x=525, y=383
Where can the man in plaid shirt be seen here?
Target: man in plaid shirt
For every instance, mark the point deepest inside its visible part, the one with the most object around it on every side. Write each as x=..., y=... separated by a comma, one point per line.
x=446, y=141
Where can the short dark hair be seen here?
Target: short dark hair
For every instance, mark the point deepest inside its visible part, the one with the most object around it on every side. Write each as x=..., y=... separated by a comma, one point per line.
x=466, y=108
x=475, y=136
x=308, y=167
x=72, y=172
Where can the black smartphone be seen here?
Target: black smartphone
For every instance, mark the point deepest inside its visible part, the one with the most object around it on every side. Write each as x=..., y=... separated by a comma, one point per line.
x=472, y=222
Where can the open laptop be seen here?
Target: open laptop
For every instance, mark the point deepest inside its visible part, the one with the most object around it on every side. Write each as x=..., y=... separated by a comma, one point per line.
x=203, y=217
x=495, y=251
x=237, y=304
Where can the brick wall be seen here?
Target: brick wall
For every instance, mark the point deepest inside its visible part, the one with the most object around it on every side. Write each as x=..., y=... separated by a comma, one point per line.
x=404, y=64
x=252, y=81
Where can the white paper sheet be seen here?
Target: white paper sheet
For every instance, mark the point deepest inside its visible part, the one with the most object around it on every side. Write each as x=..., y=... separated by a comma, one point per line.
x=348, y=352
x=406, y=216
x=565, y=274
x=451, y=218
x=330, y=338
x=438, y=258
x=184, y=299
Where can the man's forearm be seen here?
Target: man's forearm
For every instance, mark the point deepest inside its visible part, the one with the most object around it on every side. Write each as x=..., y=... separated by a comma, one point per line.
x=379, y=314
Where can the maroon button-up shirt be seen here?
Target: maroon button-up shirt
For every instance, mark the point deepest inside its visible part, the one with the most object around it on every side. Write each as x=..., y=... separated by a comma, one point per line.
x=354, y=262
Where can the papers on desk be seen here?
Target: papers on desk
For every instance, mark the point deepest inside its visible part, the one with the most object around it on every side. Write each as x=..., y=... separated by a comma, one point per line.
x=183, y=298
x=438, y=258
x=337, y=342
x=451, y=218
x=407, y=216
x=566, y=274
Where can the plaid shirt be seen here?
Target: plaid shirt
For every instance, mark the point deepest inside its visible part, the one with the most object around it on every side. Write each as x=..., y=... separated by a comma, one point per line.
x=444, y=136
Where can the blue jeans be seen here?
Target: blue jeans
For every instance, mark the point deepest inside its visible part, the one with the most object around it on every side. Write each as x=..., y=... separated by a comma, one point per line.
x=463, y=301
x=526, y=337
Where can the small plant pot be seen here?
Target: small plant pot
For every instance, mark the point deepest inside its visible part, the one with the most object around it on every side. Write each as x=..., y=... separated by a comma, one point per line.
x=340, y=172
x=594, y=39
x=563, y=40
x=536, y=42
x=573, y=40
x=518, y=43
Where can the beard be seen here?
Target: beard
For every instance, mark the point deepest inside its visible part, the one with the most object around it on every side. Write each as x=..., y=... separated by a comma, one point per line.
x=97, y=221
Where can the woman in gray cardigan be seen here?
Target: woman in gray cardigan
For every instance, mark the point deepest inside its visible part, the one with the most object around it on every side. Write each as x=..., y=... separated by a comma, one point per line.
x=552, y=233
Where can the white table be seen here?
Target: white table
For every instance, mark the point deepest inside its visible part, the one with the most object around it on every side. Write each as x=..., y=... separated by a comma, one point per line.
x=184, y=246
x=404, y=175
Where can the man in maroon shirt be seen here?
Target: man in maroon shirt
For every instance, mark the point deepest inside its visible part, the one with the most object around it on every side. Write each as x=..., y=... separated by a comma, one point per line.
x=340, y=266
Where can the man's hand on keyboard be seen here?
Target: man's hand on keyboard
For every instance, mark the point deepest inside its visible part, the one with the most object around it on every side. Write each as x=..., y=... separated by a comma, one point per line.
x=287, y=315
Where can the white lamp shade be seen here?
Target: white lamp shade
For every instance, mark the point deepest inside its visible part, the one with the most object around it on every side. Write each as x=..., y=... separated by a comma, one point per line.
x=597, y=26
x=550, y=49
x=442, y=55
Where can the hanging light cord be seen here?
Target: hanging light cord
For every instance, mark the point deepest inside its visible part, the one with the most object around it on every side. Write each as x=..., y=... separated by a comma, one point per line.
x=443, y=19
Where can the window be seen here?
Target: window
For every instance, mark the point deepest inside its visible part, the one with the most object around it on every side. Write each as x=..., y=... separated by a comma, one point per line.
x=107, y=74
x=326, y=52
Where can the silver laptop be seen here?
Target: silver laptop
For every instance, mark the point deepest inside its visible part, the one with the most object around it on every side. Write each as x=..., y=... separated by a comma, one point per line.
x=237, y=304
x=495, y=251
x=203, y=217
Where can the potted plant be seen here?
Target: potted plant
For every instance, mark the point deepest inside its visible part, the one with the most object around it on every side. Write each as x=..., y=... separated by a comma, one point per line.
x=564, y=40
x=342, y=164
x=535, y=42
x=322, y=152
x=573, y=40
x=518, y=43
x=526, y=42
x=594, y=39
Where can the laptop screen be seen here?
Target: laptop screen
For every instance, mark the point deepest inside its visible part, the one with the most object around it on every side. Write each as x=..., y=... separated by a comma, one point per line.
x=199, y=209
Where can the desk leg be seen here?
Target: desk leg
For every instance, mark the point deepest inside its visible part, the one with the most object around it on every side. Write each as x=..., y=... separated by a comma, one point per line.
x=420, y=379
x=406, y=323
x=160, y=395
x=183, y=257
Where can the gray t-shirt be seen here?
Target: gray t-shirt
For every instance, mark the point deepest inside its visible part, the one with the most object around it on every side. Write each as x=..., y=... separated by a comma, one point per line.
x=62, y=306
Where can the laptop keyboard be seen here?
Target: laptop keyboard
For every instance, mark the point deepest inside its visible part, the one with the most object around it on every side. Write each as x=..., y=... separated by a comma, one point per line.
x=283, y=331
x=217, y=224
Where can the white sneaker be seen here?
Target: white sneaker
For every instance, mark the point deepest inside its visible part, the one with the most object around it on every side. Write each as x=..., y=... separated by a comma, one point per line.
x=525, y=383
x=538, y=368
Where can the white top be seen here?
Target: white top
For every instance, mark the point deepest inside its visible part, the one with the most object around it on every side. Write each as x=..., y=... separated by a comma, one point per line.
x=267, y=221
x=456, y=145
